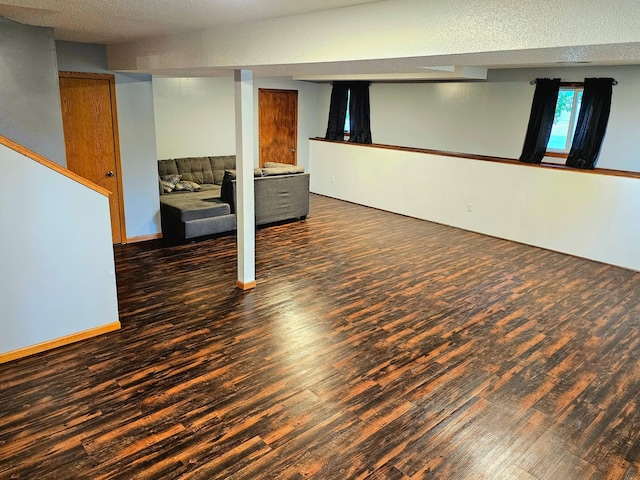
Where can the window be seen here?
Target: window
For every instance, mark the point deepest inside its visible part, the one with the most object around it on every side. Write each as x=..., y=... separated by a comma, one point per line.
x=349, y=107
x=565, y=119
x=347, y=119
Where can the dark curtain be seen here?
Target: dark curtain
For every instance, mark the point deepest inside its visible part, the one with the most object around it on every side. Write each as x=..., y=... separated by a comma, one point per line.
x=359, y=113
x=543, y=110
x=337, y=111
x=592, y=123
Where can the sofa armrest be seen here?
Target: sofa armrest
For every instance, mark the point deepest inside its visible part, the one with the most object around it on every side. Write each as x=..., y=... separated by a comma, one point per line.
x=279, y=198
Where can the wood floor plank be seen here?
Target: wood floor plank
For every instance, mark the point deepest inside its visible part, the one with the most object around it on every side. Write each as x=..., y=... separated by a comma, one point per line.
x=375, y=346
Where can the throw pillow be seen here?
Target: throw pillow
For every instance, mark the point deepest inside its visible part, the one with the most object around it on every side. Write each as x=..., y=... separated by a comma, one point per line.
x=186, y=186
x=166, y=186
x=276, y=165
x=169, y=182
x=286, y=170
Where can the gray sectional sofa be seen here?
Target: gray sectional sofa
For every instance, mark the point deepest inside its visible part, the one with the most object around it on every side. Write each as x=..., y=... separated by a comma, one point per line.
x=190, y=195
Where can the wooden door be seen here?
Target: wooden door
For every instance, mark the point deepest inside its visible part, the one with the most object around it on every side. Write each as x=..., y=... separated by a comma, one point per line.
x=91, y=136
x=278, y=126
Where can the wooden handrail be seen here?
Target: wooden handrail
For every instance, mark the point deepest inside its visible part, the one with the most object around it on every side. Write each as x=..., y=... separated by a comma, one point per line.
x=52, y=165
x=486, y=158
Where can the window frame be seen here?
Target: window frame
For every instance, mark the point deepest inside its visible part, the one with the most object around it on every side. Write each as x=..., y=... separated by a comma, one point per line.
x=564, y=153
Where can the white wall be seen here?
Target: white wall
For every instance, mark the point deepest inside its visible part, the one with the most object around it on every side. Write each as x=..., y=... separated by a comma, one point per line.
x=134, y=98
x=196, y=116
x=490, y=118
x=583, y=214
x=482, y=118
x=621, y=142
x=56, y=269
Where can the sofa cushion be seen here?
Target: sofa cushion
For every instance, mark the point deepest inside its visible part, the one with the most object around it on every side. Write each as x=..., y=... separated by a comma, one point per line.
x=195, y=169
x=209, y=226
x=220, y=164
x=187, y=207
x=167, y=167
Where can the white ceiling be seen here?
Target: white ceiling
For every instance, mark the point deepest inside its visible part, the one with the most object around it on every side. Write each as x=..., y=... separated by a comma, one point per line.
x=117, y=21
x=396, y=39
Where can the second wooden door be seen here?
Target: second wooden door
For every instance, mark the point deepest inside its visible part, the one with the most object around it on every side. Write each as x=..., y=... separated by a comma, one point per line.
x=278, y=126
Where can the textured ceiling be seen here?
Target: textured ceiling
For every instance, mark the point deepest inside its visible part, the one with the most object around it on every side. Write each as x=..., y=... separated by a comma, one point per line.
x=117, y=21
x=331, y=39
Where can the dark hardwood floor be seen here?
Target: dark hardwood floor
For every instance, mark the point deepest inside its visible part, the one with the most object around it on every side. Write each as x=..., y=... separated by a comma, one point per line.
x=374, y=346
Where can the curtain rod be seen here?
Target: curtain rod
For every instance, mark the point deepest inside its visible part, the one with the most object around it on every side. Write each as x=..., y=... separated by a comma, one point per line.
x=533, y=82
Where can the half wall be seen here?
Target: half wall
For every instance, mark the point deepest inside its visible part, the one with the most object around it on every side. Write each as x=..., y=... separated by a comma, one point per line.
x=588, y=215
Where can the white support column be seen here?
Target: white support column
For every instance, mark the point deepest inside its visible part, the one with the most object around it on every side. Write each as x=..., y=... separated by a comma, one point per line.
x=245, y=209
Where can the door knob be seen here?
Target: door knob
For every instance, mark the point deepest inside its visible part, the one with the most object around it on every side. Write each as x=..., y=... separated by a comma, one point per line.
x=110, y=173
x=293, y=150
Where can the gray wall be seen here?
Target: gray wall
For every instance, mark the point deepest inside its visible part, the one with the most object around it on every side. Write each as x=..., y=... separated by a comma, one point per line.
x=56, y=268
x=29, y=90
x=134, y=98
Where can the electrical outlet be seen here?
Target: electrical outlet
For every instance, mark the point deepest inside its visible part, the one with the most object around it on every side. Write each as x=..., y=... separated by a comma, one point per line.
x=333, y=179
x=469, y=207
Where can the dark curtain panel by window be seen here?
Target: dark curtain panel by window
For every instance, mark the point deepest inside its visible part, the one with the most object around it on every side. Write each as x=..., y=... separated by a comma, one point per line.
x=543, y=110
x=359, y=112
x=337, y=111
x=592, y=123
